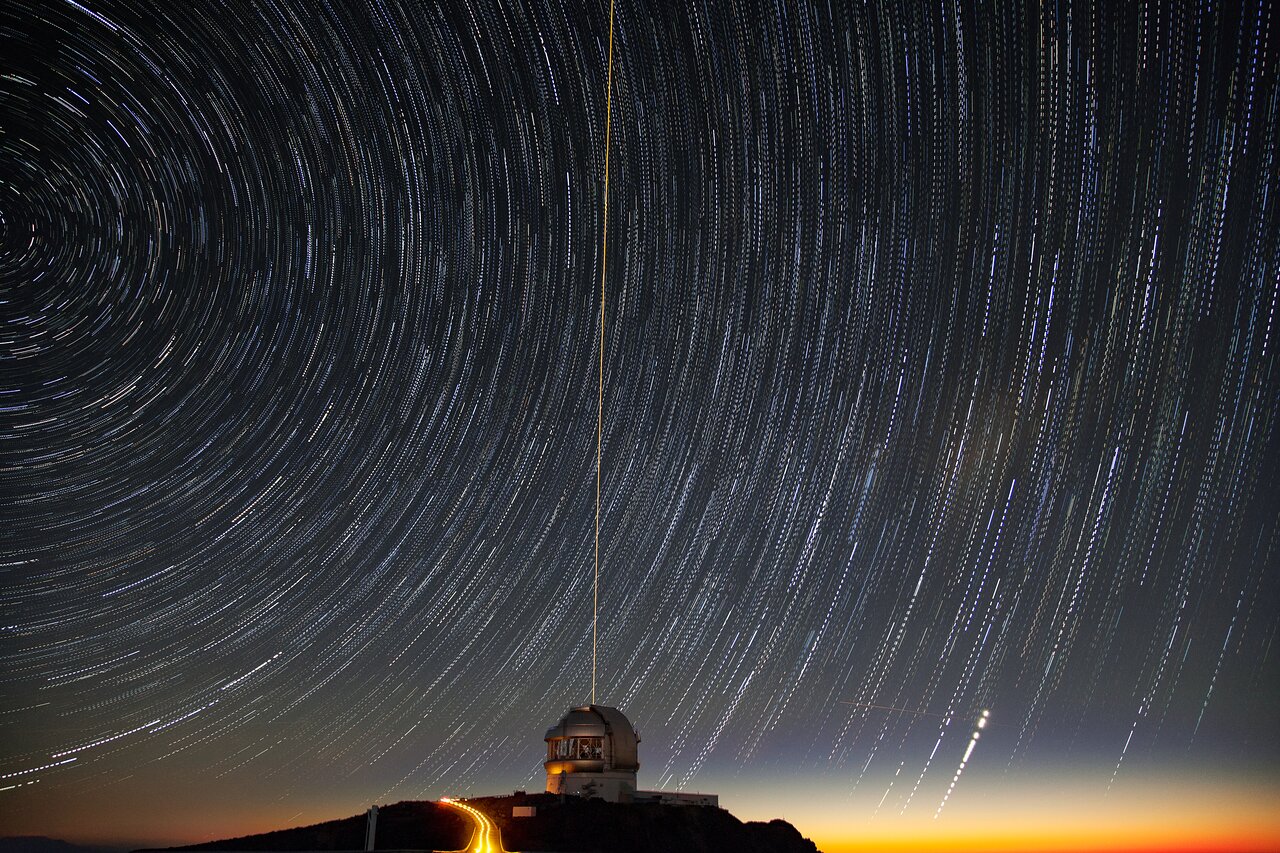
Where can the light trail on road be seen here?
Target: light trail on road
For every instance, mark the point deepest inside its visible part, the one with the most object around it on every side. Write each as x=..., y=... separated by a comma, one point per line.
x=486, y=838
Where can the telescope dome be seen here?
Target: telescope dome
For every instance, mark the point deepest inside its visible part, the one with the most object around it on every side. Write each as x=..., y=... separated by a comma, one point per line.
x=593, y=751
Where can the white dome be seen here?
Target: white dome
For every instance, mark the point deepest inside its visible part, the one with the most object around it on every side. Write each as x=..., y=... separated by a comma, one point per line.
x=592, y=738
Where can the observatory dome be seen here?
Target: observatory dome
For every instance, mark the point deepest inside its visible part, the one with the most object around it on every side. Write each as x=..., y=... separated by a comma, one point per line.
x=593, y=751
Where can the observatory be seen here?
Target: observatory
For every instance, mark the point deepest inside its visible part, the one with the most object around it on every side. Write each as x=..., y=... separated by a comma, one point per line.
x=594, y=752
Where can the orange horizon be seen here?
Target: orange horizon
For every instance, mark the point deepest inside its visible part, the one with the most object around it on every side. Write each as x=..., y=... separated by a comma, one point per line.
x=1258, y=835
x=1221, y=840
x=1224, y=843
x=1064, y=811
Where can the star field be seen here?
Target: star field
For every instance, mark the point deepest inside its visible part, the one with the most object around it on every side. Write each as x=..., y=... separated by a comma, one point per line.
x=940, y=374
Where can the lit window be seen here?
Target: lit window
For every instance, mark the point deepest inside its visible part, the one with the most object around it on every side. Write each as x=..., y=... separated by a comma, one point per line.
x=575, y=749
x=591, y=748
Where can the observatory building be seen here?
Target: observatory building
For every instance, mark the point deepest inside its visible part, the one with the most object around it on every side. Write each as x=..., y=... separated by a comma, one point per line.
x=594, y=752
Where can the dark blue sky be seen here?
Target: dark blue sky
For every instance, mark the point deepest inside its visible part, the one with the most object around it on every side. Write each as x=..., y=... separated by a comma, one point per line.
x=940, y=373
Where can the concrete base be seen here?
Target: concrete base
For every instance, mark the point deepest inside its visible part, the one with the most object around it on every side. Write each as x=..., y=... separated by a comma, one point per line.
x=614, y=786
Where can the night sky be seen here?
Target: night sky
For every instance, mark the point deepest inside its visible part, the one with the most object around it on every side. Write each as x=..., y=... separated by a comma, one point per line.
x=940, y=374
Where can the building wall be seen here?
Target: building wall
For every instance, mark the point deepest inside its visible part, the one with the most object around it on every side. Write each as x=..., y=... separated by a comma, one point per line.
x=614, y=786
x=677, y=798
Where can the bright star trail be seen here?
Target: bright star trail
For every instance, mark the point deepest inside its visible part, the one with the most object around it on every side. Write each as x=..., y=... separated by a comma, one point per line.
x=940, y=386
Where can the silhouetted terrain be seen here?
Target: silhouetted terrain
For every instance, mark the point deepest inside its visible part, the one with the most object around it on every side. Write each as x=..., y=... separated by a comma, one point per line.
x=593, y=825
x=574, y=825
x=403, y=826
x=43, y=844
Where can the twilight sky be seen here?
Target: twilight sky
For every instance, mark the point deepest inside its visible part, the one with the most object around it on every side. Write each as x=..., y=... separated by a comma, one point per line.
x=940, y=374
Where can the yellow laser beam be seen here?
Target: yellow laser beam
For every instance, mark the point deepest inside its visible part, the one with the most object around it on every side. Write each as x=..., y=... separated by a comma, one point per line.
x=604, y=258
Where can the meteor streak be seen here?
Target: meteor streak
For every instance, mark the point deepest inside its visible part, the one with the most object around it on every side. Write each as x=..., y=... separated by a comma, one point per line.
x=892, y=708
x=973, y=741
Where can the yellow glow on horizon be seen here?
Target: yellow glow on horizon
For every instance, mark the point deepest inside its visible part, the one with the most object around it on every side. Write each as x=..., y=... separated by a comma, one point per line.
x=1054, y=814
x=1173, y=809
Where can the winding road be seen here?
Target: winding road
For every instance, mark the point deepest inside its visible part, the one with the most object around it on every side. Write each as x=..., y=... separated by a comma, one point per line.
x=486, y=838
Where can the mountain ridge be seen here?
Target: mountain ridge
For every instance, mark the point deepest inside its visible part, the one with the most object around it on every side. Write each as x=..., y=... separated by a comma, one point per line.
x=565, y=824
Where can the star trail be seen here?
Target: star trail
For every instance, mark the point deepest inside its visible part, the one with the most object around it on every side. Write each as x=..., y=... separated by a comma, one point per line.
x=939, y=443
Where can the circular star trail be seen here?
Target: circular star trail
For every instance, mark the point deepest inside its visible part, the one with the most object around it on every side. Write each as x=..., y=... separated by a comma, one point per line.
x=940, y=375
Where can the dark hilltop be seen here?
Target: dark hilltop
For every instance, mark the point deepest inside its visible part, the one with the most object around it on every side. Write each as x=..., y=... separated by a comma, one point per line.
x=569, y=824
x=44, y=844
